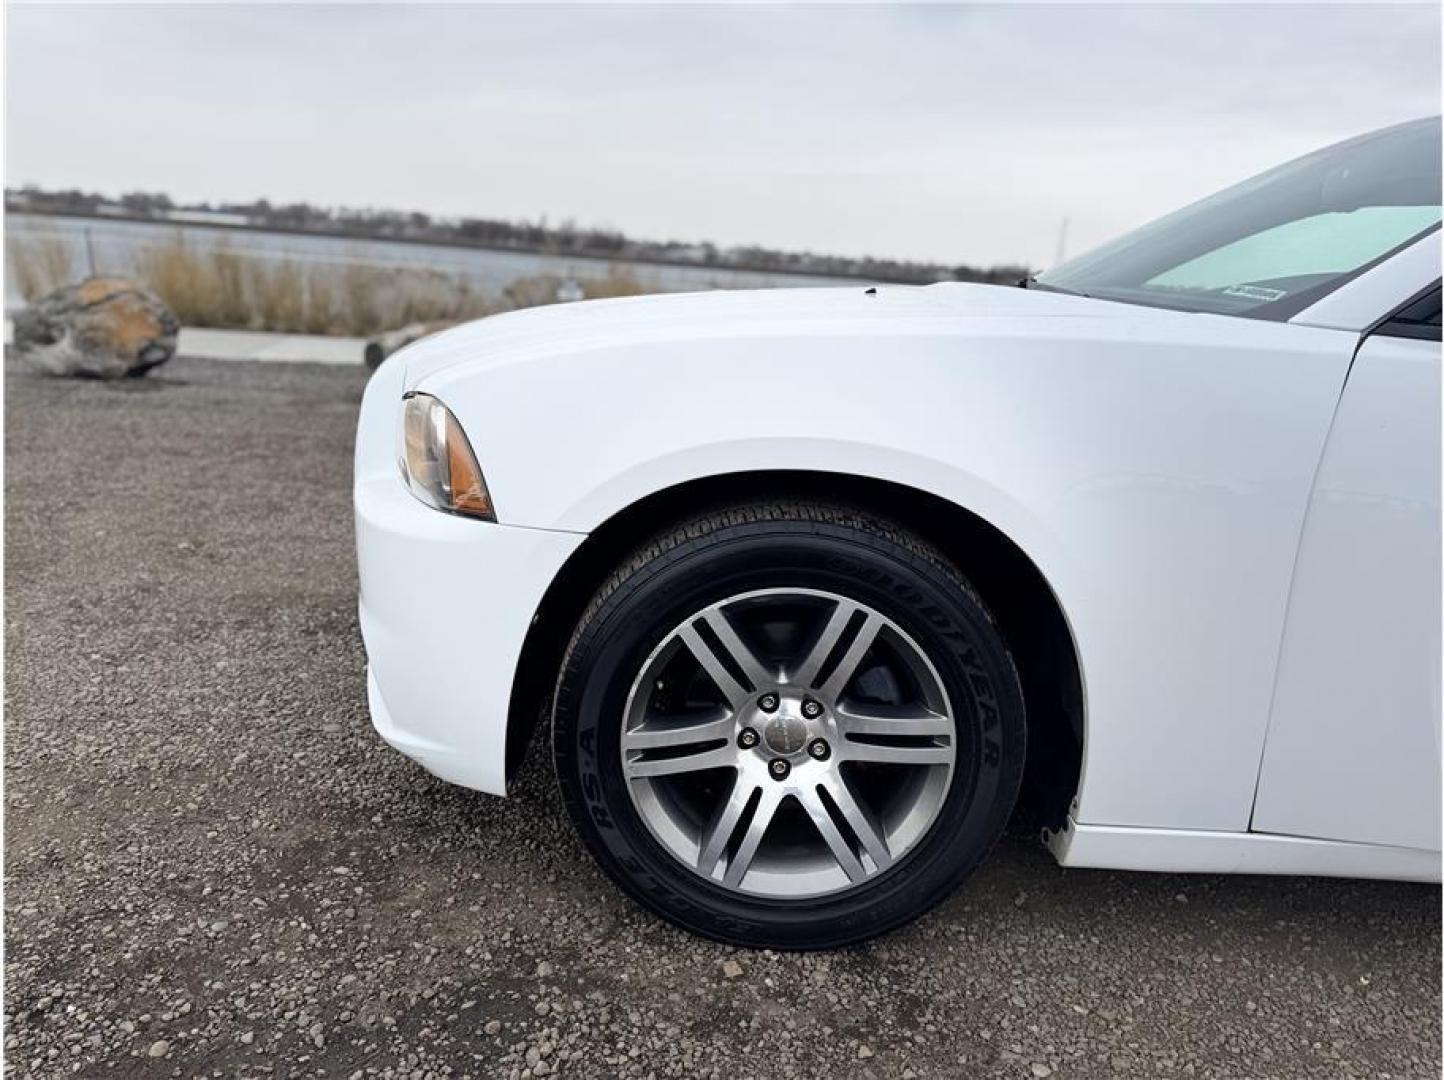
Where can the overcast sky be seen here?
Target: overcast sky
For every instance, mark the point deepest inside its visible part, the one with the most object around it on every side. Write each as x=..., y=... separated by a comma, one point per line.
x=964, y=134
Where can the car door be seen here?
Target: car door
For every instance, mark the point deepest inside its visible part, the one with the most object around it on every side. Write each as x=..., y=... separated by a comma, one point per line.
x=1353, y=745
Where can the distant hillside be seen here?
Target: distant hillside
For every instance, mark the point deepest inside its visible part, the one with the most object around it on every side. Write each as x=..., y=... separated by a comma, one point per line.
x=565, y=238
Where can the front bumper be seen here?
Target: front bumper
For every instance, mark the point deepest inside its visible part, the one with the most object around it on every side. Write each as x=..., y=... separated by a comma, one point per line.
x=445, y=606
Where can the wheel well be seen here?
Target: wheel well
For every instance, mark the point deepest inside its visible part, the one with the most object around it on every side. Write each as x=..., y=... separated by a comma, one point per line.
x=1027, y=612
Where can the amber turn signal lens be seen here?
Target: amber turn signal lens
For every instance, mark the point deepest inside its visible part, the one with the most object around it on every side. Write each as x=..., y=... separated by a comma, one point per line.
x=468, y=491
x=437, y=460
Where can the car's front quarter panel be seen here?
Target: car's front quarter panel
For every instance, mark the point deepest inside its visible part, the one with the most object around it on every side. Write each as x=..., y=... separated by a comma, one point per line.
x=1154, y=467
x=445, y=605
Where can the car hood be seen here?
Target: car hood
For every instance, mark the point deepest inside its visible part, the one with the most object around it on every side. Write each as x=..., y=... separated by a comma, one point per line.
x=580, y=327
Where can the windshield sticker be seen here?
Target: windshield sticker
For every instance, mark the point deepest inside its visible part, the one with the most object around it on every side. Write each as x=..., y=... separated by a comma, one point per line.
x=1255, y=292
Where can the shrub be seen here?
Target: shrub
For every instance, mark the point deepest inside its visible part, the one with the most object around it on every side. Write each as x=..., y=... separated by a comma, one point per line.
x=220, y=287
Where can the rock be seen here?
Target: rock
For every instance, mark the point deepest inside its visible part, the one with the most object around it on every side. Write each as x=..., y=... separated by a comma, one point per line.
x=864, y=1052
x=102, y=328
x=731, y=969
x=493, y=1027
x=544, y=970
x=1041, y=1070
x=159, y=1048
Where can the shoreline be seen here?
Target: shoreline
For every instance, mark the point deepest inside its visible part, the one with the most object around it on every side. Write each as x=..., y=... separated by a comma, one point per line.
x=454, y=244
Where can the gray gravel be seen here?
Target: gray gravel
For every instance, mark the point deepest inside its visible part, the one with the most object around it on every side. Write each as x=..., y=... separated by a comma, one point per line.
x=214, y=868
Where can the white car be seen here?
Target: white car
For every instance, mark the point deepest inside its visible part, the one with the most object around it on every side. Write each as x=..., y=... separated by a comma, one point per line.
x=817, y=587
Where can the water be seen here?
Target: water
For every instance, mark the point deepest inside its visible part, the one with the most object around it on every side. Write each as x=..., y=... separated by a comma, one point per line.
x=113, y=247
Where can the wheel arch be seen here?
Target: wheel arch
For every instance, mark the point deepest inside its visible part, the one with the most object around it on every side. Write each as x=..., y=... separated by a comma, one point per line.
x=1030, y=616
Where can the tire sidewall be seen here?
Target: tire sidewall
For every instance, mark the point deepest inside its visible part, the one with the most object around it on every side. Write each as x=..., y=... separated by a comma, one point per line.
x=949, y=624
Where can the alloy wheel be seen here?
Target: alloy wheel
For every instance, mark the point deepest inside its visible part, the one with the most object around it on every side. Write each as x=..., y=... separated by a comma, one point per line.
x=788, y=743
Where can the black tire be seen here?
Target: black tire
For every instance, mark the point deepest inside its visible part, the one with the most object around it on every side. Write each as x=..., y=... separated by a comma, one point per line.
x=804, y=545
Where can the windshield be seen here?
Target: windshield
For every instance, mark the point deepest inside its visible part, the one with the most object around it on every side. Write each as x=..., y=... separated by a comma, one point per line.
x=1269, y=247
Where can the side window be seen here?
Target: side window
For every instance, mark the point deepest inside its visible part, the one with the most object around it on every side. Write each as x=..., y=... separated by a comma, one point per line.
x=1416, y=319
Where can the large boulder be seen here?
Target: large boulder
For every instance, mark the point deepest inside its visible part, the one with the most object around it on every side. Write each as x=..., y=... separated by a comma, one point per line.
x=102, y=328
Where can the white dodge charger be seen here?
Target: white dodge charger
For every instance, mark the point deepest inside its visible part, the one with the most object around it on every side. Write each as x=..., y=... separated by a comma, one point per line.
x=813, y=589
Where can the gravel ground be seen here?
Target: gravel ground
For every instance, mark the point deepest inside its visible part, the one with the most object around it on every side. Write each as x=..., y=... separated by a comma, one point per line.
x=213, y=867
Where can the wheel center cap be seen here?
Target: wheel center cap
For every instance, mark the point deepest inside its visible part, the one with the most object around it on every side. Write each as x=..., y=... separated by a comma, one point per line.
x=785, y=734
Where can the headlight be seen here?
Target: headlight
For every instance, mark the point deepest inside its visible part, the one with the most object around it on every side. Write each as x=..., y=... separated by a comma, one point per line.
x=437, y=461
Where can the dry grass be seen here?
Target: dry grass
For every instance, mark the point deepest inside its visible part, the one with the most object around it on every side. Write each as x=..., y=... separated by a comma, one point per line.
x=39, y=266
x=543, y=288
x=220, y=287
x=620, y=281
x=322, y=298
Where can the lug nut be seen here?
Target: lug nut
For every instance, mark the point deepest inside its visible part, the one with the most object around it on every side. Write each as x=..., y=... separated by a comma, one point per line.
x=779, y=768
x=747, y=738
x=767, y=703
x=819, y=749
x=811, y=709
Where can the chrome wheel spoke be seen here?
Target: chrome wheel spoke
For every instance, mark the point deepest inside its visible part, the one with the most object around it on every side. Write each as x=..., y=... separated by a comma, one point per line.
x=913, y=723
x=658, y=734
x=740, y=862
x=847, y=667
x=721, y=757
x=888, y=754
x=715, y=837
x=806, y=672
x=735, y=650
x=841, y=850
x=858, y=819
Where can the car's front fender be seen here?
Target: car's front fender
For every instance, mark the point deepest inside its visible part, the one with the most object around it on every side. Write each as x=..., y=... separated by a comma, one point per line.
x=1155, y=470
